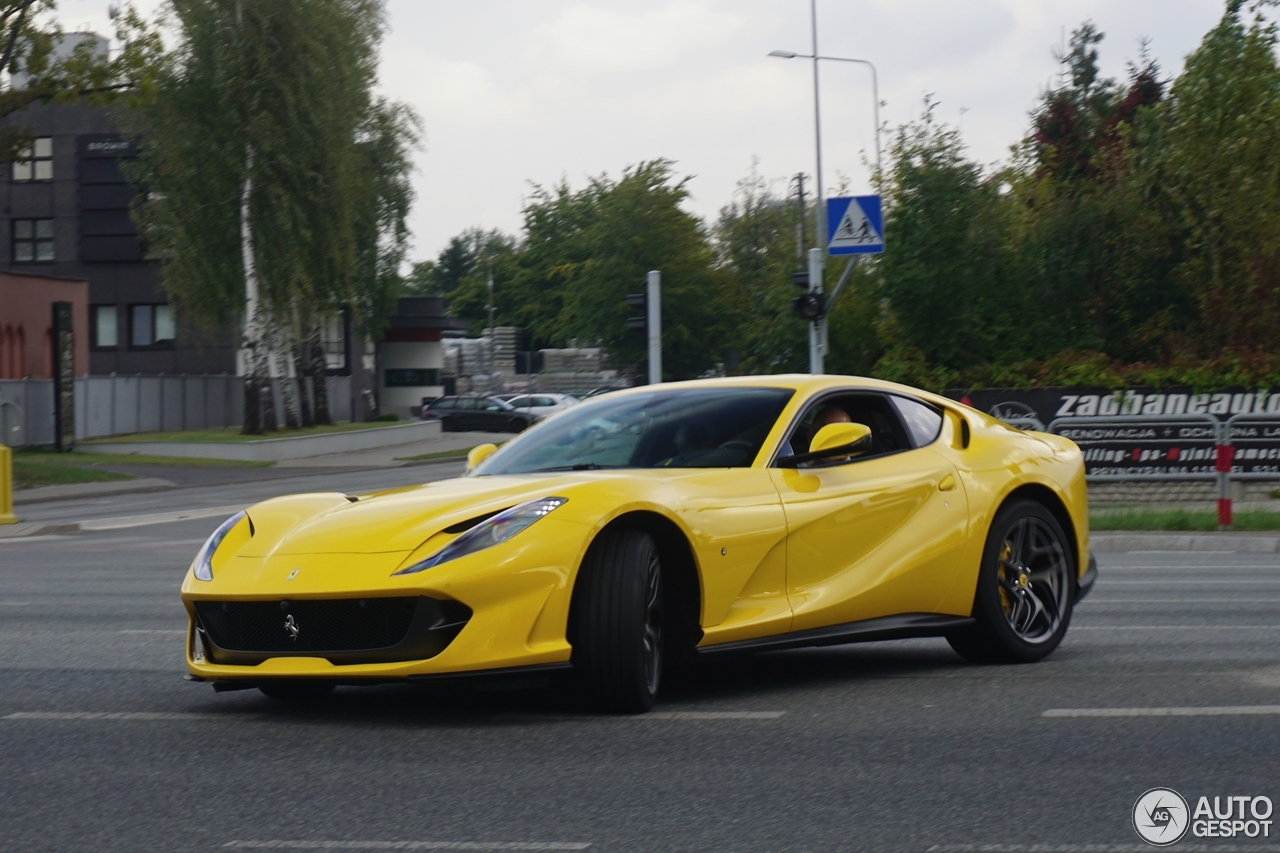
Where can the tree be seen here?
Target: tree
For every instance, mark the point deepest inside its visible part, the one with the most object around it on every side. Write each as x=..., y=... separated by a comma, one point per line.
x=45, y=67
x=1221, y=168
x=277, y=184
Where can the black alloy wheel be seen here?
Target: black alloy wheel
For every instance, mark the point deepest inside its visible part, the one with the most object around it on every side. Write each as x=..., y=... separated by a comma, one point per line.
x=448, y=424
x=1026, y=586
x=617, y=622
x=519, y=425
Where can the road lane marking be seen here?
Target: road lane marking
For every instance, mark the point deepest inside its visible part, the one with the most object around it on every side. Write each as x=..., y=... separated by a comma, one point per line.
x=1207, y=582
x=155, y=631
x=1211, y=711
x=15, y=603
x=408, y=845
x=1175, y=627
x=1189, y=600
x=711, y=715
x=145, y=716
x=1091, y=848
x=123, y=521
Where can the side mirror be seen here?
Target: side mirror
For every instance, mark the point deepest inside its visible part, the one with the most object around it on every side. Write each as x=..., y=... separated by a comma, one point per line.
x=478, y=455
x=831, y=441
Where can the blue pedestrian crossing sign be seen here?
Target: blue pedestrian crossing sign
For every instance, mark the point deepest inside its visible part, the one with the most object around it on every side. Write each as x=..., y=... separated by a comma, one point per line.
x=854, y=225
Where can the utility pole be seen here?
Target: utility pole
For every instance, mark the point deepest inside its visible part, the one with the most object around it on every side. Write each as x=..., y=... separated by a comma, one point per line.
x=817, y=255
x=801, y=238
x=654, y=310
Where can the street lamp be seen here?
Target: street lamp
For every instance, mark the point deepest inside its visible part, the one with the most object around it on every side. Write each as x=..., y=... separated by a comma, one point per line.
x=817, y=255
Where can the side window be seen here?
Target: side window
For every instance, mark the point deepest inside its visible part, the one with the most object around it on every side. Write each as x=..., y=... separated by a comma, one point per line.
x=443, y=403
x=465, y=403
x=488, y=405
x=543, y=401
x=519, y=402
x=869, y=408
x=924, y=422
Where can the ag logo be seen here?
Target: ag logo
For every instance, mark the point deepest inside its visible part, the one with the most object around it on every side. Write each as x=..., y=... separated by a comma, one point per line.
x=1160, y=816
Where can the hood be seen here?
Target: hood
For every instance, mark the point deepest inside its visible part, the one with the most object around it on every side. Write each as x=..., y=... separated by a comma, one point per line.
x=397, y=520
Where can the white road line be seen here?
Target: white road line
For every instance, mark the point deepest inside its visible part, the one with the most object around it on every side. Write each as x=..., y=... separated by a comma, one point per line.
x=1210, y=711
x=143, y=716
x=123, y=521
x=1215, y=582
x=155, y=631
x=1175, y=627
x=710, y=715
x=408, y=845
x=22, y=540
x=1088, y=848
x=1190, y=600
x=15, y=603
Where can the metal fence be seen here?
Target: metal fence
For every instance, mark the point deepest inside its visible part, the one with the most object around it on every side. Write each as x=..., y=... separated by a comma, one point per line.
x=119, y=405
x=1245, y=446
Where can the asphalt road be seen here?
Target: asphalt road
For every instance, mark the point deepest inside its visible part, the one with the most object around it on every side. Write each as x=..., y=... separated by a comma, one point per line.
x=889, y=746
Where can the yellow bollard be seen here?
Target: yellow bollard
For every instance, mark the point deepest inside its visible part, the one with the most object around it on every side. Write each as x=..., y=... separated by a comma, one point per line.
x=6, y=486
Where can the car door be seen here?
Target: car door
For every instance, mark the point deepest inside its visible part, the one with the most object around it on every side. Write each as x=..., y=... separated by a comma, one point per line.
x=875, y=535
x=464, y=413
x=490, y=415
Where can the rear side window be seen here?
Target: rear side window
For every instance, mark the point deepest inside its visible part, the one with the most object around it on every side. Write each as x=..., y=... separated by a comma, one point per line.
x=923, y=422
x=444, y=403
x=465, y=403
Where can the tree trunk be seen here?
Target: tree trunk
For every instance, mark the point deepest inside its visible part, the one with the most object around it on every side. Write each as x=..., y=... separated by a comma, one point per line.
x=259, y=410
x=287, y=393
x=306, y=392
x=320, y=390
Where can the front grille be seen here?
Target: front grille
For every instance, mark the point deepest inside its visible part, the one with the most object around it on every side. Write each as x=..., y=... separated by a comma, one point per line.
x=354, y=630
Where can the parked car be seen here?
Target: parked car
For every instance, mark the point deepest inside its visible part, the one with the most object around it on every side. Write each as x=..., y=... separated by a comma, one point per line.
x=475, y=412
x=604, y=389
x=542, y=405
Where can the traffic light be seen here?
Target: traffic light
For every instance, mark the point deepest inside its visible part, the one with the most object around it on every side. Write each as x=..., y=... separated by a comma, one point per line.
x=810, y=306
x=639, y=301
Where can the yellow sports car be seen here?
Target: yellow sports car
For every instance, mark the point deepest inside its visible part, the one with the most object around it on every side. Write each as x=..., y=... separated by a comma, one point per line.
x=663, y=522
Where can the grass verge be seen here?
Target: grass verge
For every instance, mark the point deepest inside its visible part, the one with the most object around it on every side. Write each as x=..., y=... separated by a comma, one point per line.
x=1180, y=519
x=29, y=474
x=231, y=434
x=455, y=453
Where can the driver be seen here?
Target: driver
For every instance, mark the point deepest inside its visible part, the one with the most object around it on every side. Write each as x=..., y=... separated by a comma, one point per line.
x=803, y=436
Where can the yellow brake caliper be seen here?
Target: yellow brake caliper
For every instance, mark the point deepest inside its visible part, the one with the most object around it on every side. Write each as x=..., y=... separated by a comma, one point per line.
x=1006, y=551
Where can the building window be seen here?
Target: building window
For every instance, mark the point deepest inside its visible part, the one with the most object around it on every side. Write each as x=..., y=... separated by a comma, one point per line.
x=410, y=377
x=151, y=326
x=32, y=240
x=105, y=326
x=36, y=161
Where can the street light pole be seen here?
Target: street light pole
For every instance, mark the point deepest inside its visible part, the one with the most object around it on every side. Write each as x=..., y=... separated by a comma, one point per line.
x=818, y=255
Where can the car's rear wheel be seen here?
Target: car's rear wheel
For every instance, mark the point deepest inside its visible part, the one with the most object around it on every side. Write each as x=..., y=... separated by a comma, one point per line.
x=519, y=425
x=288, y=690
x=1022, y=605
x=448, y=425
x=618, y=622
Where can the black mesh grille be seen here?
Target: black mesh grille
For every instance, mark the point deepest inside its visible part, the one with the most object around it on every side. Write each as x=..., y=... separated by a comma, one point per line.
x=326, y=625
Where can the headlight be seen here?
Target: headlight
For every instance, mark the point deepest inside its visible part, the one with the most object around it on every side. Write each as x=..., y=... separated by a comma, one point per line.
x=490, y=532
x=202, y=565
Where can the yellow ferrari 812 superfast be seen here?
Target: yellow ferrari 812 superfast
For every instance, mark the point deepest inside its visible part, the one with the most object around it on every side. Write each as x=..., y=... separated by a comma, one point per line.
x=660, y=523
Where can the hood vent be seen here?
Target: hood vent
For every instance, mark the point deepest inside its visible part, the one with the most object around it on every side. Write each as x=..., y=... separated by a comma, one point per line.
x=464, y=526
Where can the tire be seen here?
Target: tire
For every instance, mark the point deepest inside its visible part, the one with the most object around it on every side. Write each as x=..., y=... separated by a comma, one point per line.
x=1026, y=586
x=296, y=691
x=448, y=425
x=617, y=623
x=519, y=425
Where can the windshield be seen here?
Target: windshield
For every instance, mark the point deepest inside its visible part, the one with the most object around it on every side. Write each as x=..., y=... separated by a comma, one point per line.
x=678, y=428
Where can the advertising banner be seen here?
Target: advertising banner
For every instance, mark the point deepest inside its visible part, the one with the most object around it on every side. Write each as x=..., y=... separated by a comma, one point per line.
x=1169, y=431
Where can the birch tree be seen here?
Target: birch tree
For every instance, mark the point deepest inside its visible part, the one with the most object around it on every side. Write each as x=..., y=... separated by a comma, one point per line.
x=253, y=157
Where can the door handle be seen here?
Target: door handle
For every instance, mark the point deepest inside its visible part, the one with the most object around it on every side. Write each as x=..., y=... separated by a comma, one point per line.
x=948, y=483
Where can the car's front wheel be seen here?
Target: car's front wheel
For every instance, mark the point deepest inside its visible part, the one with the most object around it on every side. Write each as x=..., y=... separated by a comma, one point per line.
x=617, y=622
x=1022, y=605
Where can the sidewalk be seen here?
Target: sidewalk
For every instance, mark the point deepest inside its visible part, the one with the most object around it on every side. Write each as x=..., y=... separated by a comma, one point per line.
x=393, y=457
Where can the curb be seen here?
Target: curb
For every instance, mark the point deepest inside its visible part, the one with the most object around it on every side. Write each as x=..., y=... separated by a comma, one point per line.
x=1121, y=540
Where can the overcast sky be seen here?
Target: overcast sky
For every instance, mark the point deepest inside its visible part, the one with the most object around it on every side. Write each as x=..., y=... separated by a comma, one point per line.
x=518, y=91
